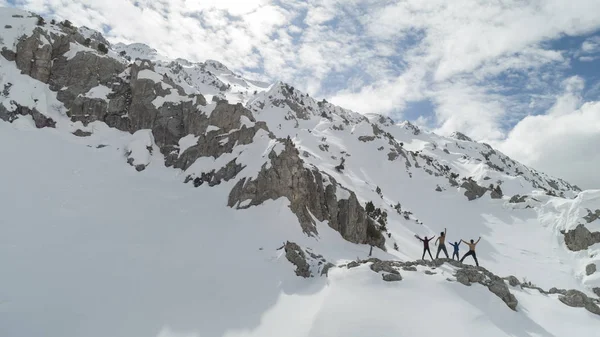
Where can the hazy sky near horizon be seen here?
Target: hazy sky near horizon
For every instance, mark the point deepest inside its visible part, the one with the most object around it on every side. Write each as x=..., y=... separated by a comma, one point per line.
x=523, y=76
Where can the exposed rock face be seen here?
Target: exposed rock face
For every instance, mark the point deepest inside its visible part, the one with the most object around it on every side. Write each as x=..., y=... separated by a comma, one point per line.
x=498, y=287
x=513, y=281
x=326, y=268
x=227, y=118
x=34, y=57
x=39, y=119
x=592, y=216
x=581, y=238
x=287, y=177
x=392, y=277
x=554, y=290
x=468, y=276
x=473, y=190
x=575, y=298
x=74, y=77
x=366, y=138
x=81, y=133
x=517, y=199
x=385, y=266
x=596, y=291
x=590, y=269
x=296, y=256
x=496, y=193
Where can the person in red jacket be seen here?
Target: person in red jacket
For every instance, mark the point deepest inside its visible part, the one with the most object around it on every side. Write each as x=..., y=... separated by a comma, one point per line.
x=426, y=246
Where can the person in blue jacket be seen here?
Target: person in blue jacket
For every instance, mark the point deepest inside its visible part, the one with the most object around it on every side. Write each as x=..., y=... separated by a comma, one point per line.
x=455, y=245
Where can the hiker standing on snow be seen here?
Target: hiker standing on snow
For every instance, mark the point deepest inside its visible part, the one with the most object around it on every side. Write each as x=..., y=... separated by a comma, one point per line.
x=442, y=246
x=426, y=246
x=471, y=250
x=455, y=245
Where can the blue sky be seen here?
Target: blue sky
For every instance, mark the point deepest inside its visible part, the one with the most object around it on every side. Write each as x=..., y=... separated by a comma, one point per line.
x=497, y=71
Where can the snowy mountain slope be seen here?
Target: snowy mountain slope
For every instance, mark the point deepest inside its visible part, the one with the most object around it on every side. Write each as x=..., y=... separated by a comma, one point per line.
x=121, y=253
x=276, y=151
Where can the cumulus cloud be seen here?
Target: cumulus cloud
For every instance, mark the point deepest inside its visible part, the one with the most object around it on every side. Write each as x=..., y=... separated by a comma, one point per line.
x=564, y=145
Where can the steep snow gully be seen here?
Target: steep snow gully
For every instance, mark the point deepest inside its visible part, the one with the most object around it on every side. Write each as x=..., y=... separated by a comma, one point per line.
x=142, y=196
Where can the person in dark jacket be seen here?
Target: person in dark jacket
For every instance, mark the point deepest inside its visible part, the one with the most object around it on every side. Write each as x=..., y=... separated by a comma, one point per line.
x=471, y=251
x=442, y=246
x=425, y=241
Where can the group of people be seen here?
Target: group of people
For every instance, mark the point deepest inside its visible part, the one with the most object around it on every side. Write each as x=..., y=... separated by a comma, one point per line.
x=442, y=247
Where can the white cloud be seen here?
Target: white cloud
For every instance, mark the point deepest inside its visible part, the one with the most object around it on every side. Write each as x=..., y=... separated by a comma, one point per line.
x=591, y=45
x=564, y=145
x=562, y=142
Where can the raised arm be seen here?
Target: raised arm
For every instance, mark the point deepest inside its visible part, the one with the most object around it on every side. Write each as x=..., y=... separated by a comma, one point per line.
x=444, y=231
x=461, y=240
x=478, y=240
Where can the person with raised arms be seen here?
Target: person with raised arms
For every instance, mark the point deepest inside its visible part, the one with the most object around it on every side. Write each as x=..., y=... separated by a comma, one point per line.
x=471, y=251
x=426, y=246
x=442, y=246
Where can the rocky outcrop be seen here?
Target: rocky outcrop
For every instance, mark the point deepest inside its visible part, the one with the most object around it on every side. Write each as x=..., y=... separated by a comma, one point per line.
x=577, y=299
x=580, y=238
x=517, y=199
x=81, y=133
x=466, y=275
x=34, y=55
x=308, y=196
x=590, y=269
x=227, y=118
x=473, y=190
x=296, y=256
x=40, y=120
x=592, y=216
x=513, y=281
x=596, y=291
x=392, y=277
x=496, y=192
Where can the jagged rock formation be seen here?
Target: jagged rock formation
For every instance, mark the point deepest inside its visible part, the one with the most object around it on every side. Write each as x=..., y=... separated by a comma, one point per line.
x=580, y=238
x=296, y=256
x=310, y=194
x=517, y=199
x=592, y=216
x=575, y=298
x=308, y=264
x=40, y=120
x=473, y=190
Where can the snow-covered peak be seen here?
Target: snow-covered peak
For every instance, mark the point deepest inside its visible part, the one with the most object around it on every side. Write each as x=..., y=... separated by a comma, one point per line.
x=92, y=34
x=217, y=67
x=137, y=51
x=460, y=136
